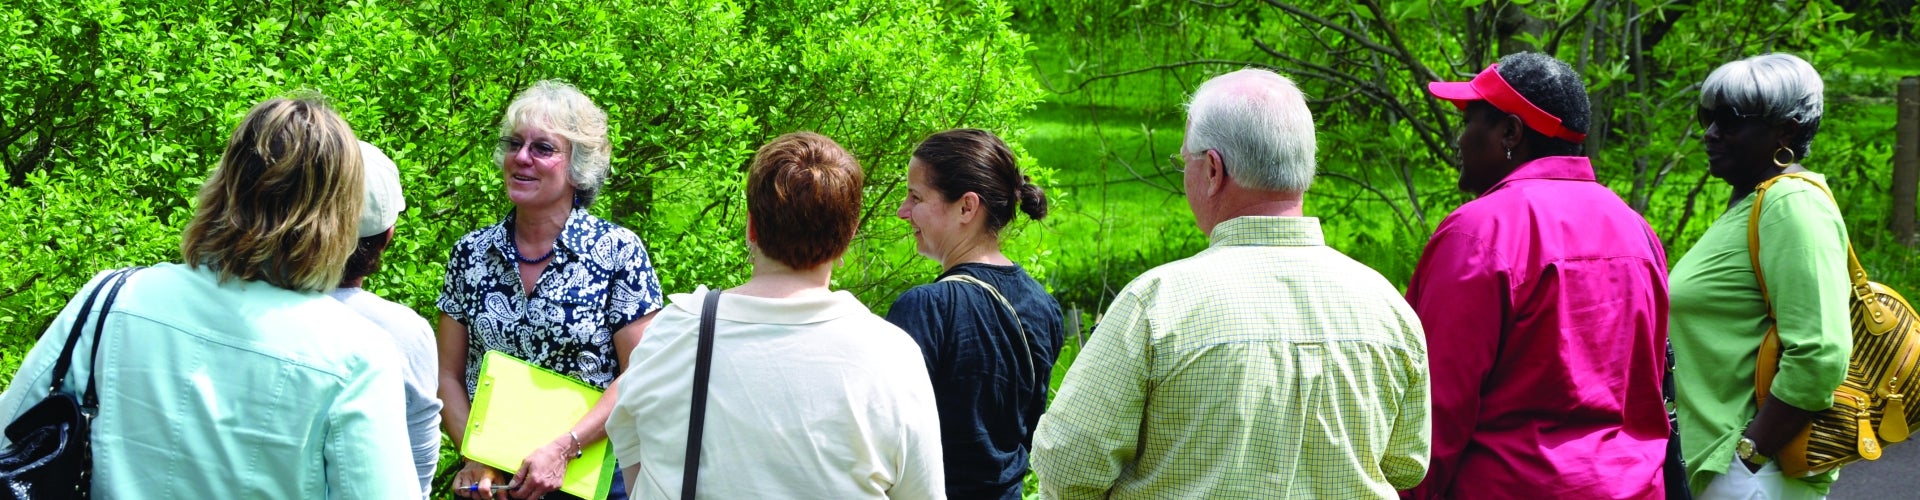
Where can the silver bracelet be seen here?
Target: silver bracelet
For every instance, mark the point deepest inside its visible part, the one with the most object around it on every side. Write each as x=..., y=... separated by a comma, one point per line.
x=578, y=451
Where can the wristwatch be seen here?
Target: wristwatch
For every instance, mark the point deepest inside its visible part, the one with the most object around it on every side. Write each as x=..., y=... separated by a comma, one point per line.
x=1747, y=453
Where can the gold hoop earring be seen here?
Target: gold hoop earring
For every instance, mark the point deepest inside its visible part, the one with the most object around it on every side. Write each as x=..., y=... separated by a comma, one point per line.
x=1783, y=164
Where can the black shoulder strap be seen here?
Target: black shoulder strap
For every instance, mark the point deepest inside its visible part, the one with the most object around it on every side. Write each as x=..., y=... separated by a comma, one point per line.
x=697, y=418
x=91, y=401
x=61, y=365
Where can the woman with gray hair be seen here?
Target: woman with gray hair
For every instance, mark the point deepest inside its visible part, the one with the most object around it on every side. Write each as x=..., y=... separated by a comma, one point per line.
x=550, y=284
x=1760, y=116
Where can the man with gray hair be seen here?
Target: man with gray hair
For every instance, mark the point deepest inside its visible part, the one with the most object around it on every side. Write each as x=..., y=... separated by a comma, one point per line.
x=1267, y=365
x=410, y=333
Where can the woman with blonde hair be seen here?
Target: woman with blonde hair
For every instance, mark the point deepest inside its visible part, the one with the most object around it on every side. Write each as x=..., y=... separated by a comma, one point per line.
x=549, y=284
x=233, y=374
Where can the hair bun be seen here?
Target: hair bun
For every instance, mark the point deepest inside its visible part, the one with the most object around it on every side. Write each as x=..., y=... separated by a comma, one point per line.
x=1033, y=200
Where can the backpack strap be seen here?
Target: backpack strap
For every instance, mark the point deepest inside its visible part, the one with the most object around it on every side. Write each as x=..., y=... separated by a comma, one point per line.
x=1768, y=362
x=1020, y=329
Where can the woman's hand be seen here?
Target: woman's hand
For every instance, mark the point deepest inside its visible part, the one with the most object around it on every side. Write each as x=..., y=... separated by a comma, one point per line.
x=476, y=473
x=544, y=469
x=1776, y=424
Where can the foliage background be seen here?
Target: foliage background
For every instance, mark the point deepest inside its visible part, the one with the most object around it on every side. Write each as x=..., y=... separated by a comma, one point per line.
x=112, y=111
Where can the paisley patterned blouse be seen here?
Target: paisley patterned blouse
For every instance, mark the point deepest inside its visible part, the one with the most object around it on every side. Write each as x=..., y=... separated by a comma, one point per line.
x=599, y=280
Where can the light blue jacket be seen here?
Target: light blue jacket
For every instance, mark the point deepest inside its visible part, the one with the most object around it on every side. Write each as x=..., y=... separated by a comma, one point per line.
x=232, y=390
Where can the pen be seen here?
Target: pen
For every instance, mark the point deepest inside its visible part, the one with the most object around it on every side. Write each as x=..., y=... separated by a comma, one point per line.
x=476, y=487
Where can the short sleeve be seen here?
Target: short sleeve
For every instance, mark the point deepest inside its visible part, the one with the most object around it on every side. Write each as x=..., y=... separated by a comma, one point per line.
x=455, y=292
x=917, y=313
x=920, y=473
x=1092, y=432
x=634, y=288
x=1803, y=259
x=1409, y=449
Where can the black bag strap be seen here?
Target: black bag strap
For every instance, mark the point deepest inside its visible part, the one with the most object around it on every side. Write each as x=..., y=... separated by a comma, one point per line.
x=91, y=401
x=61, y=365
x=697, y=418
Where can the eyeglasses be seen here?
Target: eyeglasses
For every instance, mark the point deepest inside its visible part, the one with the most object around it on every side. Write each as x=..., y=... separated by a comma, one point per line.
x=540, y=150
x=1179, y=159
x=1726, y=116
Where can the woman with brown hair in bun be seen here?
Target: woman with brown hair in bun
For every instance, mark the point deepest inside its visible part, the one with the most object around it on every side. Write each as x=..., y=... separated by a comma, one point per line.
x=989, y=332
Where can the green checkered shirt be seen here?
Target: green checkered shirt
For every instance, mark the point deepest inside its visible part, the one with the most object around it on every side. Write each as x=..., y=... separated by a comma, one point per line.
x=1267, y=366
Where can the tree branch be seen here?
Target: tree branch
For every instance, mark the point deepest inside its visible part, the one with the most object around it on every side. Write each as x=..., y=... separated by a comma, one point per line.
x=23, y=286
x=1553, y=43
x=1356, y=37
x=1393, y=36
x=1405, y=223
x=1687, y=212
x=1160, y=67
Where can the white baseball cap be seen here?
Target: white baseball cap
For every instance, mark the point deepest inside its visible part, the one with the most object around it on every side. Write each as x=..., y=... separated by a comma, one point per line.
x=384, y=201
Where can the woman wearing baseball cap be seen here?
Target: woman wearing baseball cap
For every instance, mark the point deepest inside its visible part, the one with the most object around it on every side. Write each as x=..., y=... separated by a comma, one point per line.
x=1544, y=304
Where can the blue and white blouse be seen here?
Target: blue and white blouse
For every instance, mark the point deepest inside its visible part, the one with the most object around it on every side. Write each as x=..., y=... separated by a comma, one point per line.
x=599, y=280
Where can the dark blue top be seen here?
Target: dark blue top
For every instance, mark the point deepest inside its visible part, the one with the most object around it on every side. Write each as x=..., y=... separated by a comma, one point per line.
x=989, y=403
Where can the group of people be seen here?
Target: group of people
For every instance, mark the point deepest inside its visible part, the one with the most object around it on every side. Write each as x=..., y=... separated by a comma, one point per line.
x=1529, y=356
x=1568, y=361
x=259, y=368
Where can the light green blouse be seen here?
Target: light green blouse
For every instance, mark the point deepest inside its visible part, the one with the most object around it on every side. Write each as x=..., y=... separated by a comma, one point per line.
x=1717, y=319
x=233, y=389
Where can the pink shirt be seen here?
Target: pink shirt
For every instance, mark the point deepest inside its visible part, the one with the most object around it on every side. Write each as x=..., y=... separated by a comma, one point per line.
x=1545, y=307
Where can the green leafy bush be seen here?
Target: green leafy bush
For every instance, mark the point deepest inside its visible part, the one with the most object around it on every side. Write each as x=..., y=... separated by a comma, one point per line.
x=112, y=112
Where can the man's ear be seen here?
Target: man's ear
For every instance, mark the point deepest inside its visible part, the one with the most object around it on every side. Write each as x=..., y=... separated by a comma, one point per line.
x=1215, y=173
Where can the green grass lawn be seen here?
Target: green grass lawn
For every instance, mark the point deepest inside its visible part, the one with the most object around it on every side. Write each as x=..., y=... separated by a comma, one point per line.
x=1116, y=205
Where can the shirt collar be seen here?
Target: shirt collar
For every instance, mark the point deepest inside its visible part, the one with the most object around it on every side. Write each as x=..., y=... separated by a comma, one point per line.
x=572, y=238
x=783, y=311
x=1566, y=168
x=1268, y=231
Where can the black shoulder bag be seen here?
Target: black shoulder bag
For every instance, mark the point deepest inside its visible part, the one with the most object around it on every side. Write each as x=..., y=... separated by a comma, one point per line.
x=52, y=453
x=697, y=418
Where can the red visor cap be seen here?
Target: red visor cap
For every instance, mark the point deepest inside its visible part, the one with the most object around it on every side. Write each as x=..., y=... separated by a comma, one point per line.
x=1489, y=86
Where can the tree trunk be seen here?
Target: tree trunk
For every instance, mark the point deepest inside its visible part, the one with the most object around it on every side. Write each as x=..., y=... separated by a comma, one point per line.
x=1906, y=161
x=1513, y=21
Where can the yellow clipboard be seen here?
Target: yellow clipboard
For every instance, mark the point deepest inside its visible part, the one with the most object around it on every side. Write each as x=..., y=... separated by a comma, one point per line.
x=535, y=404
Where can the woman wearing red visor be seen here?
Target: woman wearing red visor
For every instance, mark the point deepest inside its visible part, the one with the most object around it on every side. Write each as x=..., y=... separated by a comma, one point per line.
x=1545, y=304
